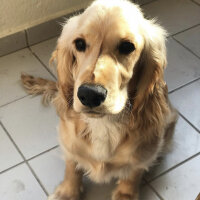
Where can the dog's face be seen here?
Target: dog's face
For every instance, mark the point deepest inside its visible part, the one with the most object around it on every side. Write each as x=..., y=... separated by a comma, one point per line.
x=100, y=49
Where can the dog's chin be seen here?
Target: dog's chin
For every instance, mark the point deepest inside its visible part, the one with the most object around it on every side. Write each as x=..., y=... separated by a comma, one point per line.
x=93, y=114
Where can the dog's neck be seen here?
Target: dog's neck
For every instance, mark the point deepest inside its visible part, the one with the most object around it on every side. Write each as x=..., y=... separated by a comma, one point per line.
x=105, y=136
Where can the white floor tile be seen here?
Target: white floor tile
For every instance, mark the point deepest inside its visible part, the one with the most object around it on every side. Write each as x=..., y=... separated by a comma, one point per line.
x=185, y=143
x=182, y=183
x=19, y=184
x=186, y=100
x=11, y=67
x=182, y=67
x=174, y=15
x=49, y=167
x=44, y=50
x=191, y=39
x=8, y=154
x=31, y=125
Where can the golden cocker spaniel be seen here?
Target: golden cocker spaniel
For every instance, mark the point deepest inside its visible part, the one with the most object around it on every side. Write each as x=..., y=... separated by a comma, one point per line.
x=115, y=116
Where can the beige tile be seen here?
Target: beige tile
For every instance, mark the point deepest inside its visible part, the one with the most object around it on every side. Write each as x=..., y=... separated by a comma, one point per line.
x=12, y=43
x=19, y=184
x=31, y=125
x=8, y=154
x=182, y=67
x=174, y=15
x=181, y=183
x=186, y=100
x=44, y=50
x=191, y=39
x=11, y=67
x=185, y=143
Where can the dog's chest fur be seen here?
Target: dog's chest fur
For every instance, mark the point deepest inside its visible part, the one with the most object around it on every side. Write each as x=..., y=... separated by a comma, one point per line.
x=105, y=136
x=98, y=149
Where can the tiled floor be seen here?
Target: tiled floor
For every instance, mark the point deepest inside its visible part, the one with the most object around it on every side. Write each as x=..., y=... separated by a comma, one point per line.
x=30, y=159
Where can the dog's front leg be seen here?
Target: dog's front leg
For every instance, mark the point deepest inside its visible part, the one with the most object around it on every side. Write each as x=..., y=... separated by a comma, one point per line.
x=128, y=189
x=70, y=188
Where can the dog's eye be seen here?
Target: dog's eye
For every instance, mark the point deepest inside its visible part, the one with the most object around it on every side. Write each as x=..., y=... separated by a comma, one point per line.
x=126, y=47
x=80, y=44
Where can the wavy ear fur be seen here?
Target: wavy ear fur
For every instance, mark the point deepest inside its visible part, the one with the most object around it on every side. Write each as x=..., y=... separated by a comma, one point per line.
x=149, y=100
x=65, y=60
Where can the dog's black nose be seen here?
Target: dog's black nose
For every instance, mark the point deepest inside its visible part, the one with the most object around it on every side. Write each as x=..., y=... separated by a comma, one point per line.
x=91, y=95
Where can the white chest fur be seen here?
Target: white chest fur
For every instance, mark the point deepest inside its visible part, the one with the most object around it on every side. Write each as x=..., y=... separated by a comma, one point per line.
x=105, y=137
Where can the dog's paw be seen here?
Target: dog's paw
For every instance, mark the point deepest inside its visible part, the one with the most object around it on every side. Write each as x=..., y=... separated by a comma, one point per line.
x=118, y=195
x=65, y=191
x=59, y=197
x=53, y=197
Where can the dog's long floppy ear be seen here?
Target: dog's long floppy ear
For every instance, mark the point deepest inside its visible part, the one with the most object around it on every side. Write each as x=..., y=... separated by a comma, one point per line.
x=66, y=61
x=148, y=73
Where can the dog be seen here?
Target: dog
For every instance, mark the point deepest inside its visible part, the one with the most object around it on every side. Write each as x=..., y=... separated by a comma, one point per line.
x=111, y=97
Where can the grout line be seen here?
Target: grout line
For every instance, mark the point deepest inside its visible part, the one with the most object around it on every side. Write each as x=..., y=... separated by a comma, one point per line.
x=23, y=162
x=38, y=180
x=42, y=153
x=50, y=38
x=195, y=2
x=154, y=190
x=186, y=47
x=1, y=172
x=194, y=127
x=36, y=56
x=68, y=16
x=14, y=101
x=19, y=151
x=26, y=37
x=174, y=167
x=151, y=188
x=13, y=51
x=185, y=30
x=189, y=83
x=27, y=46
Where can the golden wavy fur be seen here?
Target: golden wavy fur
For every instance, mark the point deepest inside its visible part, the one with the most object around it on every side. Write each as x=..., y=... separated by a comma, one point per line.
x=123, y=53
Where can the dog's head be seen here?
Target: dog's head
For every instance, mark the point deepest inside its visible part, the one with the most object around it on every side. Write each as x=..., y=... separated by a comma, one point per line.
x=109, y=56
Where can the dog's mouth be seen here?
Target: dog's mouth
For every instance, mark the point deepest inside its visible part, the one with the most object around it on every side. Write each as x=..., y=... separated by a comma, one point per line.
x=93, y=114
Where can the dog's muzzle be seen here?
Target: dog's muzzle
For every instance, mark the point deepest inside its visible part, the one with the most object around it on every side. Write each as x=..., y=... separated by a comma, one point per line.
x=91, y=95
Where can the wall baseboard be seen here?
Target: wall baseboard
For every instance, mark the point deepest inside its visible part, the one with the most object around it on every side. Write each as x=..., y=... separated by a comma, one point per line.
x=39, y=33
x=33, y=35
